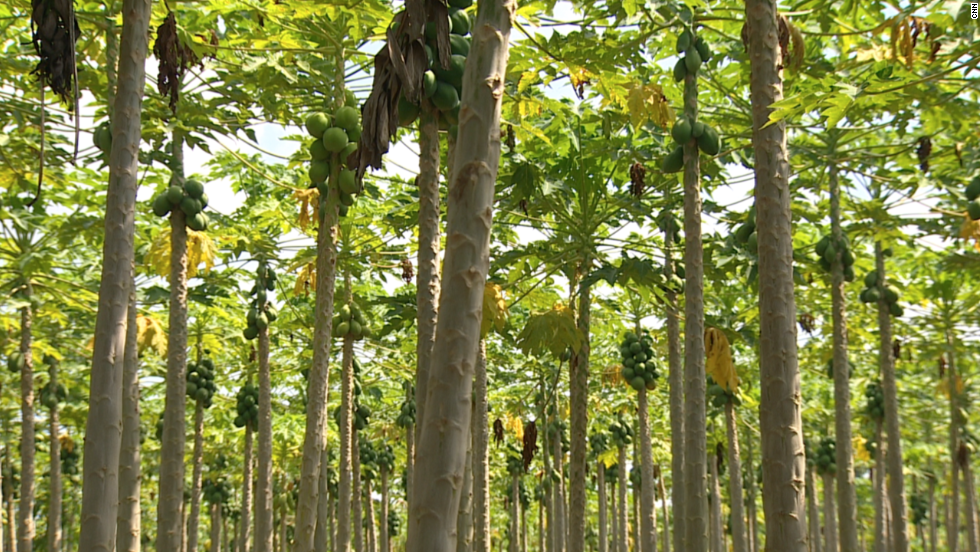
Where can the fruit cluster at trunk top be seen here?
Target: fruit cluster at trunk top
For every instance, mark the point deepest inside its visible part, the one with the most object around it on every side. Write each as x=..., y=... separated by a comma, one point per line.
x=694, y=53
x=261, y=312
x=621, y=433
x=336, y=138
x=349, y=320
x=719, y=396
x=200, y=381
x=827, y=249
x=189, y=198
x=825, y=458
x=639, y=368
x=876, y=290
x=247, y=407
x=442, y=87
x=874, y=397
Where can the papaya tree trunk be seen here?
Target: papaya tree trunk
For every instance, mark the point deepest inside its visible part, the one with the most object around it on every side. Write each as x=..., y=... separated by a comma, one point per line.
x=846, y=493
x=716, y=531
x=663, y=506
x=735, y=497
x=383, y=517
x=347, y=451
x=752, y=511
x=128, y=526
x=245, y=539
x=601, y=477
x=813, y=512
x=878, y=475
x=614, y=516
x=829, y=514
x=25, y=512
x=480, y=429
x=54, y=466
x=409, y=460
x=194, y=521
x=578, y=375
x=953, y=521
x=695, y=438
x=357, y=515
x=783, y=463
x=446, y=418
x=464, y=518
x=8, y=496
x=648, y=512
x=548, y=490
x=933, y=512
x=896, y=480
x=514, y=537
x=676, y=385
x=523, y=528
x=971, y=507
x=215, y=528
x=322, y=533
x=369, y=515
x=622, y=543
x=559, y=500
x=170, y=517
x=100, y=488
x=315, y=437
x=264, y=514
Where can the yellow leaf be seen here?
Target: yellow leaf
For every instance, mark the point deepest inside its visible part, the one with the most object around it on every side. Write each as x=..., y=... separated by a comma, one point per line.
x=718, y=360
x=971, y=231
x=200, y=250
x=610, y=457
x=944, y=386
x=306, y=280
x=579, y=75
x=150, y=335
x=860, y=448
x=494, y=309
x=648, y=103
x=307, y=198
x=514, y=425
x=527, y=79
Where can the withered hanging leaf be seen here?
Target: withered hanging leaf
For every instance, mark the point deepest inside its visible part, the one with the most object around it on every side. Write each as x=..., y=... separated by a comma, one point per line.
x=637, y=179
x=54, y=32
x=896, y=349
x=408, y=271
x=174, y=59
x=498, y=432
x=530, y=444
x=923, y=151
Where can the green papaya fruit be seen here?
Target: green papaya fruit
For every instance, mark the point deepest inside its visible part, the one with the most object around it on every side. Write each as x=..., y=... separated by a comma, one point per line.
x=161, y=205
x=684, y=41
x=319, y=172
x=973, y=209
x=429, y=83
x=697, y=129
x=198, y=222
x=682, y=130
x=459, y=45
x=318, y=152
x=973, y=189
x=680, y=70
x=891, y=294
x=190, y=206
x=346, y=200
x=194, y=188
x=335, y=139
x=446, y=98
x=703, y=50
x=822, y=245
x=871, y=279
x=709, y=142
x=459, y=22
x=347, y=118
x=407, y=112
x=175, y=194
x=674, y=161
x=317, y=124
x=692, y=61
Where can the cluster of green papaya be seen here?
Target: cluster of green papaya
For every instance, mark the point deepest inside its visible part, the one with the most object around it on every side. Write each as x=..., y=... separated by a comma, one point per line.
x=973, y=196
x=247, y=406
x=158, y=429
x=830, y=368
x=368, y=455
x=746, y=234
x=394, y=523
x=621, y=433
x=200, y=381
x=69, y=458
x=874, y=405
x=827, y=249
x=442, y=87
x=261, y=312
x=361, y=412
x=695, y=51
x=612, y=472
x=16, y=362
x=875, y=290
x=919, y=505
x=406, y=416
x=350, y=321
x=871, y=446
x=216, y=490
x=51, y=397
x=515, y=464
x=636, y=477
x=720, y=396
x=639, y=368
x=826, y=457
x=599, y=442
x=189, y=198
x=336, y=138
x=684, y=131
x=669, y=225
x=102, y=137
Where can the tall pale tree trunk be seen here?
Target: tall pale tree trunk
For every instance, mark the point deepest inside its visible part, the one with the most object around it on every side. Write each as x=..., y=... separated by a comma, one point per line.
x=753, y=515
x=322, y=533
x=357, y=517
x=663, y=504
x=933, y=512
x=100, y=487
x=739, y=537
x=194, y=520
x=541, y=546
x=715, y=530
x=971, y=505
x=446, y=418
x=513, y=542
x=548, y=491
x=25, y=511
x=953, y=521
x=622, y=536
x=347, y=451
x=264, y=514
x=480, y=430
x=8, y=496
x=385, y=545
x=170, y=522
x=315, y=437
x=245, y=538
x=695, y=439
x=523, y=528
x=614, y=516
x=129, y=519
x=560, y=529
x=578, y=375
x=676, y=384
x=648, y=511
x=846, y=493
x=427, y=284
x=369, y=534
x=464, y=518
x=813, y=512
x=878, y=497
x=783, y=462
x=601, y=477
x=896, y=479
x=215, y=536
x=829, y=514
x=54, y=467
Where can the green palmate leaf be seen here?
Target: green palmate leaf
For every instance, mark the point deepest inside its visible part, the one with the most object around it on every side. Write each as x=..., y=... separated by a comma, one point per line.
x=838, y=108
x=553, y=331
